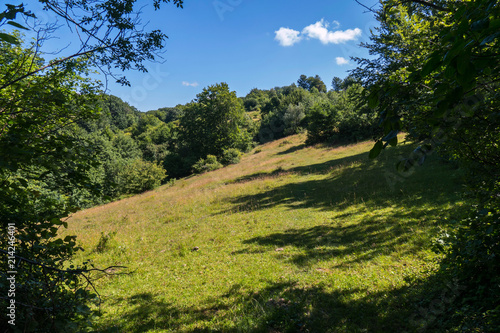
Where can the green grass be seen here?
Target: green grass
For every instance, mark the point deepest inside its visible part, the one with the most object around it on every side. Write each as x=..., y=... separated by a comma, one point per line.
x=292, y=239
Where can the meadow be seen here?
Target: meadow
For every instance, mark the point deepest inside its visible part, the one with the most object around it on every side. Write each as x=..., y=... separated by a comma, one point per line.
x=291, y=239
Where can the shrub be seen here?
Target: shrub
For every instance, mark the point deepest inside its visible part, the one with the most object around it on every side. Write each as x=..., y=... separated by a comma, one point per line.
x=138, y=176
x=472, y=259
x=251, y=104
x=292, y=118
x=179, y=163
x=231, y=156
x=208, y=164
x=322, y=123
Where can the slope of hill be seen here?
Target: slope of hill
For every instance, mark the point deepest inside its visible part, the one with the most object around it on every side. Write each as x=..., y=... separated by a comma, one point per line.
x=292, y=239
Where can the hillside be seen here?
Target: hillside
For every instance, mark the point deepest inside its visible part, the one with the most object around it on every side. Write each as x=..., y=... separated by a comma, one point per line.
x=293, y=238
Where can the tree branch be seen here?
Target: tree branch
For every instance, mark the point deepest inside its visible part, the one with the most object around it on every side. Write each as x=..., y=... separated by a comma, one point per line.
x=370, y=9
x=428, y=4
x=73, y=271
x=50, y=64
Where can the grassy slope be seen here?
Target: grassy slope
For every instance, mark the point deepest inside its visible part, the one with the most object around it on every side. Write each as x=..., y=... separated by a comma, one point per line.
x=293, y=238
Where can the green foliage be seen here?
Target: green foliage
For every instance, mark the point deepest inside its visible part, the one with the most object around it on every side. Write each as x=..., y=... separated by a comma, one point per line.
x=7, y=17
x=255, y=99
x=51, y=139
x=251, y=104
x=322, y=123
x=179, y=162
x=214, y=122
x=156, y=139
x=436, y=78
x=126, y=147
x=230, y=156
x=309, y=83
x=168, y=115
x=283, y=113
x=337, y=83
x=208, y=164
x=343, y=118
x=122, y=114
x=107, y=29
x=43, y=162
x=138, y=176
x=471, y=249
x=292, y=118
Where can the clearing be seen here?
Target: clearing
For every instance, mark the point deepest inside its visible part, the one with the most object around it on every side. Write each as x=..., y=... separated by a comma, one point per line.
x=292, y=239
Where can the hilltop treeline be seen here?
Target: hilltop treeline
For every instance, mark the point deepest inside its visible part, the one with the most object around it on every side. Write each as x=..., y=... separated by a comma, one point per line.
x=140, y=150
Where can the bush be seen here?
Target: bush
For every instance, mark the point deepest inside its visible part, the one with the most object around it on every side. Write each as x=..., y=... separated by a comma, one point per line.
x=322, y=123
x=251, y=104
x=208, y=164
x=231, y=156
x=138, y=176
x=179, y=163
x=345, y=119
x=472, y=258
x=292, y=118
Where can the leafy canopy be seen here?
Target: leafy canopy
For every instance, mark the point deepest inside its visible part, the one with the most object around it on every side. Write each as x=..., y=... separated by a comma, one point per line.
x=109, y=30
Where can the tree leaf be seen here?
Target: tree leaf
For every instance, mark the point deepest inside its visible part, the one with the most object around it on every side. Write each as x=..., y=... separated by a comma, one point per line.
x=490, y=38
x=8, y=38
x=377, y=148
x=17, y=25
x=431, y=64
x=463, y=61
x=480, y=24
x=394, y=141
x=373, y=100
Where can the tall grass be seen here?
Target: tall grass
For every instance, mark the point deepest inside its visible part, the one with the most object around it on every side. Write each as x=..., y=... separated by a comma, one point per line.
x=292, y=239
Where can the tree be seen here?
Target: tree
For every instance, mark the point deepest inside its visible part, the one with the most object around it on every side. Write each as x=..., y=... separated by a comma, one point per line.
x=303, y=82
x=42, y=163
x=436, y=76
x=348, y=81
x=214, y=122
x=337, y=83
x=138, y=176
x=109, y=30
x=251, y=104
x=323, y=120
x=344, y=117
x=308, y=83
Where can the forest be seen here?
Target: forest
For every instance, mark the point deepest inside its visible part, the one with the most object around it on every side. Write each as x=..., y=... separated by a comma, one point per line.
x=66, y=145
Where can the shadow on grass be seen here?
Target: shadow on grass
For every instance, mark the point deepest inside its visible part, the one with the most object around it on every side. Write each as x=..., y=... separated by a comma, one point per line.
x=289, y=307
x=354, y=180
x=292, y=149
x=146, y=312
x=278, y=172
x=359, y=242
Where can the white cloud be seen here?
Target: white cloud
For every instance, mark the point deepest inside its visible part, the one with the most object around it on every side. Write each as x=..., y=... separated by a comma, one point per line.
x=187, y=84
x=341, y=61
x=287, y=37
x=319, y=30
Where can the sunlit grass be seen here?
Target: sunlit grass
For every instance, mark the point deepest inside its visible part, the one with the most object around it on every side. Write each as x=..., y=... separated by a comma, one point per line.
x=294, y=238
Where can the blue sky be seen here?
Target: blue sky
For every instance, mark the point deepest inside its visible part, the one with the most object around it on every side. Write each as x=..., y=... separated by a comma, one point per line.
x=248, y=44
